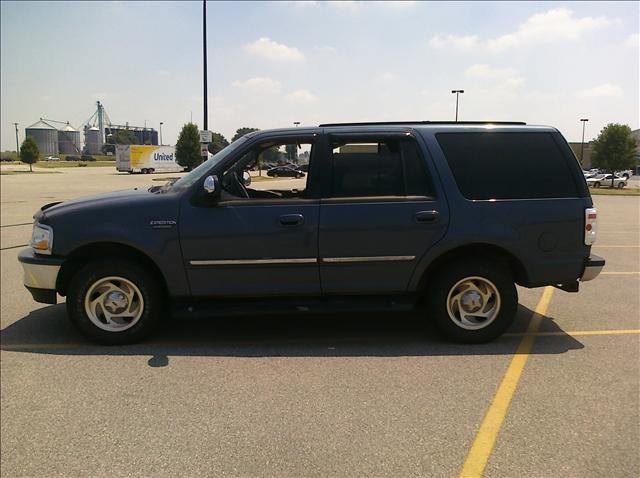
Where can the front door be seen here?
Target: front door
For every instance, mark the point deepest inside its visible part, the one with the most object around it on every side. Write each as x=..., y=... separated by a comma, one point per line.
x=380, y=215
x=260, y=239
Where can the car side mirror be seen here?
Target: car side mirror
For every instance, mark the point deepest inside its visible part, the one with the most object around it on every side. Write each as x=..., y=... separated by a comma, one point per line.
x=211, y=186
x=246, y=178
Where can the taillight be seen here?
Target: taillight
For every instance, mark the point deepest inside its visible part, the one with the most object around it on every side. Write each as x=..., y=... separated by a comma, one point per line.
x=590, y=225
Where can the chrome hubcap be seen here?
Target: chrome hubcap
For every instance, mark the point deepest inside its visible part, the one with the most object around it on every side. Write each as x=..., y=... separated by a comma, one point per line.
x=473, y=303
x=114, y=304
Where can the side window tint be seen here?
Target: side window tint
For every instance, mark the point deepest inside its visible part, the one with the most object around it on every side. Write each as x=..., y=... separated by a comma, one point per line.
x=418, y=181
x=369, y=168
x=508, y=165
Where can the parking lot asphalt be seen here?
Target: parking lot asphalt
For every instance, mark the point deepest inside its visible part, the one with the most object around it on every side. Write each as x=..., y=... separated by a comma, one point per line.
x=338, y=395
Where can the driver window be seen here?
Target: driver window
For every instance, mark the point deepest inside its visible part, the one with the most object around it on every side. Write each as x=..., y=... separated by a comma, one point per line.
x=270, y=170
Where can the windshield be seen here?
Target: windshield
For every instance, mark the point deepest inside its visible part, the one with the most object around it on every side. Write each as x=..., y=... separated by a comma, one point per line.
x=190, y=178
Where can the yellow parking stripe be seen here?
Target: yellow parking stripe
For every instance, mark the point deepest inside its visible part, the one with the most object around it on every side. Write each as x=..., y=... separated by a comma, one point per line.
x=576, y=333
x=620, y=273
x=598, y=245
x=486, y=438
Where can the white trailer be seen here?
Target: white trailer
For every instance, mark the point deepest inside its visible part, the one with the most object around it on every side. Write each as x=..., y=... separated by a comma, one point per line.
x=146, y=159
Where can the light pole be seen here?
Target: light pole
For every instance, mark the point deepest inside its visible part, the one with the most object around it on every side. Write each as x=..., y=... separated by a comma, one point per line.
x=296, y=123
x=584, y=123
x=204, y=61
x=17, y=142
x=161, y=123
x=457, y=92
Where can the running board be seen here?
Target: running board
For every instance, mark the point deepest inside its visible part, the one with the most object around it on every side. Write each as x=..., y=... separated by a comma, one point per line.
x=251, y=306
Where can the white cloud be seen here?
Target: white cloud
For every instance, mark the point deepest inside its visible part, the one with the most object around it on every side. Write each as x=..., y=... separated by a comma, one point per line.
x=354, y=5
x=606, y=90
x=259, y=85
x=500, y=77
x=302, y=96
x=442, y=41
x=633, y=40
x=386, y=77
x=399, y=4
x=552, y=25
x=272, y=50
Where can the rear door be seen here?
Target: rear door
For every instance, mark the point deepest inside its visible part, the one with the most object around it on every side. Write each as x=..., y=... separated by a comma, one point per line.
x=381, y=211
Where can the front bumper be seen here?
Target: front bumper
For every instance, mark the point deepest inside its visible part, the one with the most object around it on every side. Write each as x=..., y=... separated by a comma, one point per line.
x=40, y=275
x=592, y=267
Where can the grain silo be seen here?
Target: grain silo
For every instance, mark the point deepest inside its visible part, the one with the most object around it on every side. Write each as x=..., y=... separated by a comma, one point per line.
x=92, y=140
x=45, y=136
x=69, y=140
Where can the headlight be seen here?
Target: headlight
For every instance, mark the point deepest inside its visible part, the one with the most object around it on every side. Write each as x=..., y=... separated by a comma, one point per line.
x=41, y=238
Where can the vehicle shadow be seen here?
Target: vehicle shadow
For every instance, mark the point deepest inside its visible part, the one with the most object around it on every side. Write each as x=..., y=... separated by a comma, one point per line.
x=47, y=331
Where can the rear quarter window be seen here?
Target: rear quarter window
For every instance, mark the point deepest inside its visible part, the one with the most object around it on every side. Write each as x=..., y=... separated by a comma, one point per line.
x=508, y=165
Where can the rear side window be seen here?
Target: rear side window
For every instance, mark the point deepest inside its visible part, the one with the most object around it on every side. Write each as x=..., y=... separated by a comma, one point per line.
x=508, y=165
x=370, y=168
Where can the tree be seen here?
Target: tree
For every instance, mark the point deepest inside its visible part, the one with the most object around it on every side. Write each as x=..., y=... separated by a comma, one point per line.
x=240, y=132
x=614, y=149
x=29, y=152
x=218, y=143
x=188, y=147
x=292, y=153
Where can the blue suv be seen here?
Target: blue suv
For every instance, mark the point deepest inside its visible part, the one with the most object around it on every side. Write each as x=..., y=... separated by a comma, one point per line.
x=389, y=216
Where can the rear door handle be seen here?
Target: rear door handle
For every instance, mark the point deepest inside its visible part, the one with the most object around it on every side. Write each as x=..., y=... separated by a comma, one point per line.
x=291, y=220
x=426, y=216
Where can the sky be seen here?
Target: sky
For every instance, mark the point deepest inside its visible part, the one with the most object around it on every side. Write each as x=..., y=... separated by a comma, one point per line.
x=273, y=63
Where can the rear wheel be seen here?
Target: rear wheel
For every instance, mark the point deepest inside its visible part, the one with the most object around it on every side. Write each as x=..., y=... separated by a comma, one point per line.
x=114, y=302
x=621, y=185
x=473, y=301
x=596, y=185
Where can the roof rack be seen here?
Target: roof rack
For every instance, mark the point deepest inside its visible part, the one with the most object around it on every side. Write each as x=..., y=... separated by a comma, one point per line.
x=381, y=123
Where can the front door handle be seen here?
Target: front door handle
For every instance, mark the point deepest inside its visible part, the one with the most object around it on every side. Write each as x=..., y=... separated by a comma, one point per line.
x=291, y=220
x=426, y=216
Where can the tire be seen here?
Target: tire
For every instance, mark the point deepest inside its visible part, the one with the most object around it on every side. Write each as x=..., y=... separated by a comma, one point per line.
x=596, y=185
x=621, y=185
x=461, y=279
x=143, y=171
x=151, y=171
x=135, y=290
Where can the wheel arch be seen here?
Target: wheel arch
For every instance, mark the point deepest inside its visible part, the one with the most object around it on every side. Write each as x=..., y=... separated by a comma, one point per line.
x=101, y=250
x=489, y=252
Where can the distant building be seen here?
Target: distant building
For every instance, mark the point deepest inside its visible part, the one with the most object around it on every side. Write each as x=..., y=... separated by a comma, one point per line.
x=588, y=149
x=143, y=135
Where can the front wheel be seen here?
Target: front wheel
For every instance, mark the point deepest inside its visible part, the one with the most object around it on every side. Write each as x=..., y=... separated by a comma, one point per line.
x=114, y=302
x=473, y=301
x=596, y=185
x=621, y=185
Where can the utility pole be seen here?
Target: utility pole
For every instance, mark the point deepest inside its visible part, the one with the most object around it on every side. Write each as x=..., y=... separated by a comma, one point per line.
x=457, y=92
x=204, y=61
x=584, y=122
x=17, y=142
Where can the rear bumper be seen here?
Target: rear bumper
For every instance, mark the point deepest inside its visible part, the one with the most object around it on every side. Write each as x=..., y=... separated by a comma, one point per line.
x=40, y=275
x=592, y=267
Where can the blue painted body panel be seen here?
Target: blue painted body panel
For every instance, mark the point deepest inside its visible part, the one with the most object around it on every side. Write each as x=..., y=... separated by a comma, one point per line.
x=545, y=235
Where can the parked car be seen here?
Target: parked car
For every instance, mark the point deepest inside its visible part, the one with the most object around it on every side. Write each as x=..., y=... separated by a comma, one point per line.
x=626, y=174
x=436, y=216
x=87, y=157
x=601, y=180
x=285, y=171
x=52, y=158
x=71, y=157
